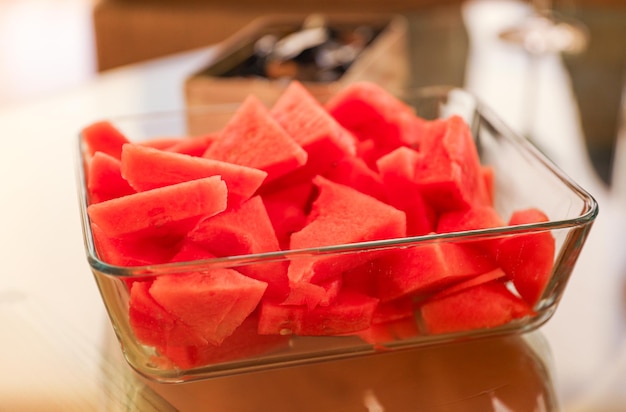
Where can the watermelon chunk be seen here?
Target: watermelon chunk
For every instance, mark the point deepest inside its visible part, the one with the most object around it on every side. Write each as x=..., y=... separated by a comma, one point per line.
x=475, y=218
x=487, y=305
x=489, y=177
x=146, y=168
x=371, y=112
x=394, y=310
x=104, y=179
x=169, y=209
x=160, y=143
x=253, y=138
x=153, y=325
x=193, y=145
x=244, y=230
x=341, y=215
x=397, y=171
x=390, y=331
x=134, y=251
x=348, y=313
x=312, y=127
x=428, y=267
x=528, y=258
x=479, y=217
x=352, y=171
x=449, y=172
x=497, y=273
x=311, y=295
x=190, y=251
x=243, y=343
x=103, y=137
x=213, y=303
x=287, y=209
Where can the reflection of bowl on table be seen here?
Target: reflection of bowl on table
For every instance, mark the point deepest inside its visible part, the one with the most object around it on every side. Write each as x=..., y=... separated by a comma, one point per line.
x=522, y=178
x=488, y=375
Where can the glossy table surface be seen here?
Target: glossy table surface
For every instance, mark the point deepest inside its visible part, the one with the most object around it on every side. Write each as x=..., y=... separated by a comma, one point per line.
x=59, y=352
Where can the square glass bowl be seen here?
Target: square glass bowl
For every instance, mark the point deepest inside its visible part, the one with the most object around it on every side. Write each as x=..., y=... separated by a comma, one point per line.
x=522, y=178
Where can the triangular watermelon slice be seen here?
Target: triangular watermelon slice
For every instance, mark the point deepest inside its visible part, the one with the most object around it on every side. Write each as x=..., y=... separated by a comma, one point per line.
x=161, y=143
x=244, y=230
x=163, y=211
x=104, y=137
x=287, y=208
x=348, y=313
x=146, y=168
x=393, y=330
x=428, y=267
x=449, y=172
x=253, y=138
x=371, y=112
x=528, y=258
x=397, y=172
x=310, y=125
x=193, y=145
x=104, y=179
x=213, y=303
x=474, y=218
x=342, y=215
x=352, y=171
x=134, y=251
x=487, y=305
x=153, y=325
x=243, y=343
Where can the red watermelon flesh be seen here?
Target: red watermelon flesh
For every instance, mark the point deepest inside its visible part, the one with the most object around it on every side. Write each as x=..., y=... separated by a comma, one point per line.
x=489, y=177
x=528, y=258
x=390, y=331
x=428, y=267
x=287, y=209
x=475, y=218
x=134, y=251
x=349, y=312
x=194, y=145
x=213, y=303
x=253, y=138
x=168, y=209
x=190, y=251
x=494, y=274
x=146, y=168
x=153, y=325
x=245, y=230
x=342, y=215
x=487, y=305
x=352, y=171
x=103, y=137
x=479, y=217
x=401, y=308
x=160, y=143
x=104, y=179
x=311, y=295
x=312, y=127
x=371, y=112
x=243, y=343
x=449, y=172
x=397, y=171
x=362, y=278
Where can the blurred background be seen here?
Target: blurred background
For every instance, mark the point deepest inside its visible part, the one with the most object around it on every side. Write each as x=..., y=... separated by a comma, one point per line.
x=47, y=46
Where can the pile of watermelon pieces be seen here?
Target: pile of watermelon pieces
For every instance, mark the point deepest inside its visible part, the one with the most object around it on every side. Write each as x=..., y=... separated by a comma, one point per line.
x=301, y=174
